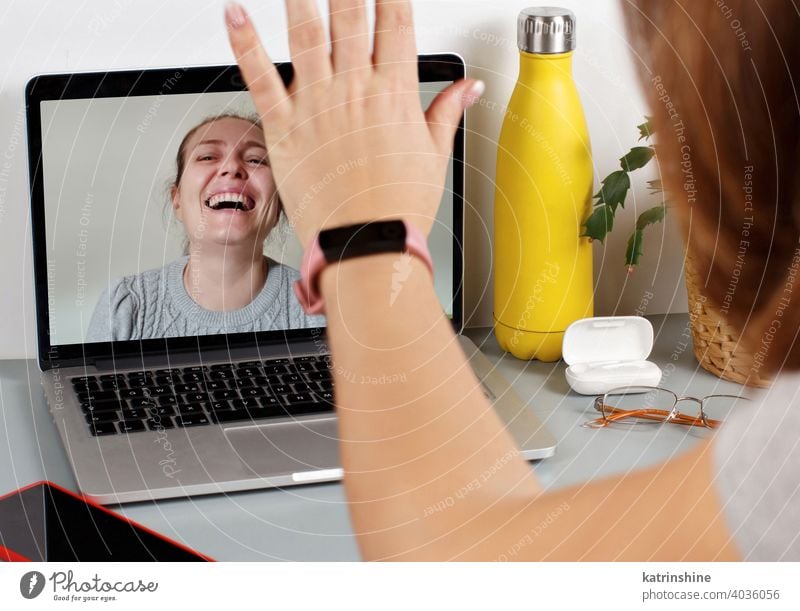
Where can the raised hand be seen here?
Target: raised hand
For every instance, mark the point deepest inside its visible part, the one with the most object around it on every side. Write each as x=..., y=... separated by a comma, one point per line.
x=348, y=140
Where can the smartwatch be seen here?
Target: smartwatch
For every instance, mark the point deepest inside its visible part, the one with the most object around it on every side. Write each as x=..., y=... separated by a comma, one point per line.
x=340, y=243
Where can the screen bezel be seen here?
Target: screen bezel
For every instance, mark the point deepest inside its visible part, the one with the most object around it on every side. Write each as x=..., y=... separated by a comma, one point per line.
x=196, y=79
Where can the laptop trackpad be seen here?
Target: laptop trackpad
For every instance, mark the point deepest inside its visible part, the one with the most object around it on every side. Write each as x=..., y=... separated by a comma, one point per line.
x=286, y=447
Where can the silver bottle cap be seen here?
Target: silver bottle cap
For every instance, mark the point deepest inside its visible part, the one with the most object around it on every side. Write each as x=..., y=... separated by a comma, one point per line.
x=546, y=29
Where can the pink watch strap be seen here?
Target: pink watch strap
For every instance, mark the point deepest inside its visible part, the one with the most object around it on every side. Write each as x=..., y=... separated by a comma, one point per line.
x=314, y=262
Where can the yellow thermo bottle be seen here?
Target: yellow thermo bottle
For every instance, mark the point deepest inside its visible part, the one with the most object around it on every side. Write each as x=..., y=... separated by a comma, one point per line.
x=542, y=267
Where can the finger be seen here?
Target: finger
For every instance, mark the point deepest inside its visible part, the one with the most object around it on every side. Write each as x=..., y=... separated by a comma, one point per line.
x=395, y=52
x=444, y=113
x=259, y=73
x=349, y=35
x=307, y=43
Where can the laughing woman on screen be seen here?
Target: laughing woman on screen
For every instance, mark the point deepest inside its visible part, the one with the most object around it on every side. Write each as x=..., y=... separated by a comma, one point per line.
x=225, y=196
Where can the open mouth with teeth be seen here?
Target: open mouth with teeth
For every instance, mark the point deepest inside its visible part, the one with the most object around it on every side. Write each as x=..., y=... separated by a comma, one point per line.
x=230, y=201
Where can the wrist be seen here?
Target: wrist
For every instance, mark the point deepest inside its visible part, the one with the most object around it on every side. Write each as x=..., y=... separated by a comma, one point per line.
x=378, y=279
x=359, y=241
x=306, y=236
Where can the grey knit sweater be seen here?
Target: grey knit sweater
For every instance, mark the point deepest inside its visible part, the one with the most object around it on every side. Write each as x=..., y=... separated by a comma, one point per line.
x=155, y=304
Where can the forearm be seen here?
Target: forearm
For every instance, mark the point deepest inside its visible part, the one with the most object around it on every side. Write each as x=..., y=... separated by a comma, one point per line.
x=431, y=474
x=428, y=465
x=669, y=512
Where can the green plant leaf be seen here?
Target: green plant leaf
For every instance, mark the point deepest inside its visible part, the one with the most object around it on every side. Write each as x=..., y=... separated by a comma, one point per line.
x=646, y=128
x=599, y=223
x=655, y=214
x=636, y=158
x=636, y=242
x=634, y=251
x=655, y=186
x=614, y=190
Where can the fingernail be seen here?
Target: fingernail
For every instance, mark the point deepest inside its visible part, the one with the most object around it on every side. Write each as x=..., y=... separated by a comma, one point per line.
x=473, y=93
x=477, y=88
x=235, y=15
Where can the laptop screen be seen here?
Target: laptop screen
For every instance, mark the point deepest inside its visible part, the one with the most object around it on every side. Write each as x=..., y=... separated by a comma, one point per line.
x=117, y=249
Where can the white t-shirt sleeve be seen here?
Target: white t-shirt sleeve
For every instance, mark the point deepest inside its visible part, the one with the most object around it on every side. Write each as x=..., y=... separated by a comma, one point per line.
x=757, y=465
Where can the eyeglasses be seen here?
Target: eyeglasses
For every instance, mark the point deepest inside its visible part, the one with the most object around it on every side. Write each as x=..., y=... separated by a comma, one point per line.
x=640, y=405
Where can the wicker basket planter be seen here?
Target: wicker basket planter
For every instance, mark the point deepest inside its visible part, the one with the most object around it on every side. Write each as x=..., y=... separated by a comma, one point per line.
x=716, y=343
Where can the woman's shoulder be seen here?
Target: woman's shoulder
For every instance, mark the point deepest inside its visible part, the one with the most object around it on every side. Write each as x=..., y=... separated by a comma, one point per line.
x=762, y=439
x=151, y=280
x=783, y=395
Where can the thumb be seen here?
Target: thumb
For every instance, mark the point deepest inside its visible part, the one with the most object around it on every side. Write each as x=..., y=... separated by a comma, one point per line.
x=444, y=113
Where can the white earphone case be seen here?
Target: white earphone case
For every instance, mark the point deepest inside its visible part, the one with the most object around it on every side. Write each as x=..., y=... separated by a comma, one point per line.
x=607, y=352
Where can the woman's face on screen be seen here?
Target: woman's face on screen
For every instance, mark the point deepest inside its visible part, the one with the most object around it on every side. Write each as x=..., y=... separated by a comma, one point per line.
x=227, y=194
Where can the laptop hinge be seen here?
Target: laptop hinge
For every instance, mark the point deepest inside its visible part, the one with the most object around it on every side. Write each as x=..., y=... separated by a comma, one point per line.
x=192, y=357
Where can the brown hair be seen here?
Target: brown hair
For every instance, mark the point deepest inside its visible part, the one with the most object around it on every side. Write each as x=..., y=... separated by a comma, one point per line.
x=721, y=80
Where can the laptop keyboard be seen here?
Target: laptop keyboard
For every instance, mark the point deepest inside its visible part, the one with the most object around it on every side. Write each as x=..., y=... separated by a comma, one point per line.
x=200, y=395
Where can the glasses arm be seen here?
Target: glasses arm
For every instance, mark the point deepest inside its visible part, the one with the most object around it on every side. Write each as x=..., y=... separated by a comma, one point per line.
x=613, y=414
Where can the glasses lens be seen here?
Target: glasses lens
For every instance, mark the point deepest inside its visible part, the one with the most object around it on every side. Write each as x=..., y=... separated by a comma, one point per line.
x=718, y=408
x=638, y=405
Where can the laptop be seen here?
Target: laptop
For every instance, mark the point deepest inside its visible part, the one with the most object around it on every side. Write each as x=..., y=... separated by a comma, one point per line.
x=146, y=418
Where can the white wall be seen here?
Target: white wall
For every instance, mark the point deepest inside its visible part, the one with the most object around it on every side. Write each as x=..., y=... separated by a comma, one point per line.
x=38, y=36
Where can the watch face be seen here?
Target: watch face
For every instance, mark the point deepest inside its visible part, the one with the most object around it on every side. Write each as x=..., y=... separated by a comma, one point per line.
x=364, y=239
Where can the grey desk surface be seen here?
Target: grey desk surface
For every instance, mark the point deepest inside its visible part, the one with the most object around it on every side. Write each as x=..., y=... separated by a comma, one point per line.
x=311, y=522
